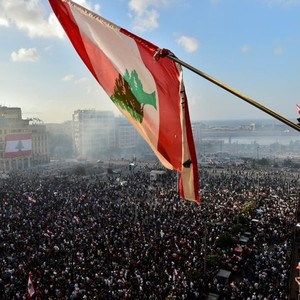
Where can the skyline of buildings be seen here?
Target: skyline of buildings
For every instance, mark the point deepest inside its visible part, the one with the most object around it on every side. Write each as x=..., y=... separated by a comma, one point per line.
x=95, y=134
x=24, y=143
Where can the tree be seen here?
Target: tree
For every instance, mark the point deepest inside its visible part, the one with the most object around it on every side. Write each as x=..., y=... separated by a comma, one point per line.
x=194, y=275
x=225, y=240
x=213, y=259
x=249, y=207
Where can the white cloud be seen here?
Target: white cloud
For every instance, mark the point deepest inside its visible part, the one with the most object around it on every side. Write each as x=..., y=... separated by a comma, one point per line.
x=189, y=44
x=72, y=78
x=68, y=78
x=95, y=8
x=82, y=80
x=147, y=21
x=3, y=21
x=30, y=17
x=23, y=54
x=139, y=6
x=90, y=86
x=245, y=48
x=278, y=51
x=145, y=13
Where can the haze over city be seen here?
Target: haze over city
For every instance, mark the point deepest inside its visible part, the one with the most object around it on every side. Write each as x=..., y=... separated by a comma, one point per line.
x=253, y=46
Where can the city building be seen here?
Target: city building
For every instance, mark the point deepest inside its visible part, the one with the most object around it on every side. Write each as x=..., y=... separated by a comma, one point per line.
x=23, y=142
x=40, y=141
x=126, y=134
x=93, y=133
x=102, y=135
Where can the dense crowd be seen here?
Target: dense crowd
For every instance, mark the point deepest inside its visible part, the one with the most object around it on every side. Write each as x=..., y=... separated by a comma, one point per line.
x=89, y=238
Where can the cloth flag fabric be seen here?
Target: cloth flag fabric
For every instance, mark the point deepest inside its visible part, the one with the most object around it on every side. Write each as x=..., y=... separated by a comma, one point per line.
x=31, y=200
x=298, y=109
x=146, y=86
x=17, y=145
x=30, y=288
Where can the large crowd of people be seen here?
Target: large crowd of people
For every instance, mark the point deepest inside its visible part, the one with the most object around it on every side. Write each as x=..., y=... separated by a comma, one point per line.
x=85, y=237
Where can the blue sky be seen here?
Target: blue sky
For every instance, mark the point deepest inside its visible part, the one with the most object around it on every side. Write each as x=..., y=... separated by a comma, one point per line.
x=251, y=45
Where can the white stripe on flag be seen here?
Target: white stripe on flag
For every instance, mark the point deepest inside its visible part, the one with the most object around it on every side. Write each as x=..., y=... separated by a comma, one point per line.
x=19, y=145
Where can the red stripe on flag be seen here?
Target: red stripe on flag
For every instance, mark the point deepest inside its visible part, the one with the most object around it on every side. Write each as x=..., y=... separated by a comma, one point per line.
x=18, y=154
x=18, y=136
x=193, y=155
x=298, y=108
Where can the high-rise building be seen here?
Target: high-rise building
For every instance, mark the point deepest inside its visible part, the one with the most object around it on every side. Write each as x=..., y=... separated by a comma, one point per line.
x=23, y=143
x=93, y=133
x=126, y=134
x=102, y=135
x=40, y=141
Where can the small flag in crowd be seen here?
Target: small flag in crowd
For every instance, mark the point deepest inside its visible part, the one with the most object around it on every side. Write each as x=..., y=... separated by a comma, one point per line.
x=145, y=85
x=298, y=109
x=30, y=288
x=31, y=200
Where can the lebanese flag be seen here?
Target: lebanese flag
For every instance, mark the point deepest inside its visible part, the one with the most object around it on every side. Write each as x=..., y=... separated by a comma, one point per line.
x=298, y=109
x=149, y=92
x=30, y=288
x=17, y=145
x=31, y=200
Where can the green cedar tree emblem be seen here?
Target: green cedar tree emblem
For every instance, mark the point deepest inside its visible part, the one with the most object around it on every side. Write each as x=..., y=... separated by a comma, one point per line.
x=129, y=94
x=19, y=146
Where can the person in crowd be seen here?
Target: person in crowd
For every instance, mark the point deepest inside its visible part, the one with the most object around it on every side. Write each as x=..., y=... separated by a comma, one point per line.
x=89, y=238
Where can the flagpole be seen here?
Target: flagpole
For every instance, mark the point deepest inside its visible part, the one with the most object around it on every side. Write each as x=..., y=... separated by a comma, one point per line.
x=235, y=92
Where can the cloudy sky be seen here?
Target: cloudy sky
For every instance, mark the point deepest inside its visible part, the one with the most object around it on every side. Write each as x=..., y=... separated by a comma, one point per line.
x=251, y=45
